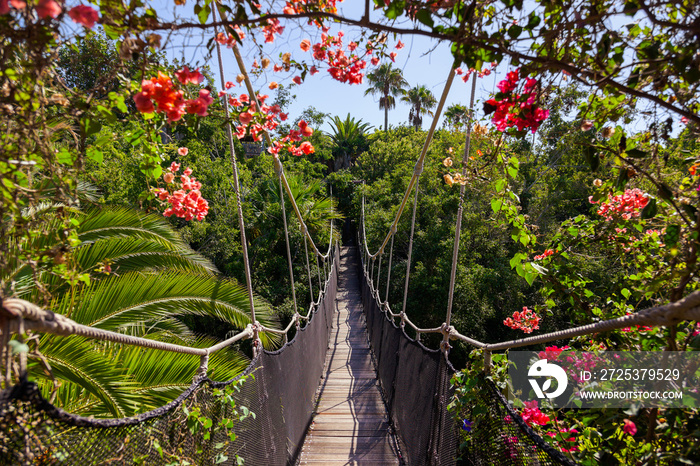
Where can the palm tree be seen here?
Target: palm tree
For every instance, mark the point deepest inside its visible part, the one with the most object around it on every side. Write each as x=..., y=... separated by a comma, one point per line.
x=349, y=140
x=144, y=280
x=456, y=115
x=421, y=100
x=387, y=82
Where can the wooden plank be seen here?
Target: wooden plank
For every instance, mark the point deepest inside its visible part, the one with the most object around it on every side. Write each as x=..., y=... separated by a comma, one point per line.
x=351, y=425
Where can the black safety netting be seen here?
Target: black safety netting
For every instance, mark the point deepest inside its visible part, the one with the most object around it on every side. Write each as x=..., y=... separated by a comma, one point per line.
x=278, y=387
x=415, y=382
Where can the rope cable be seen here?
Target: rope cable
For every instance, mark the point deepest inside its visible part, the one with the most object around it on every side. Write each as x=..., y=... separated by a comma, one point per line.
x=236, y=183
x=278, y=165
x=410, y=251
x=460, y=210
x=419, y=162
x=388, y=273
x=254, y=98
x=308, y=269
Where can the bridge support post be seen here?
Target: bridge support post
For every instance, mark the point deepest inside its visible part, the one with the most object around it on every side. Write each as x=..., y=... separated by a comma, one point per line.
x=487, y=362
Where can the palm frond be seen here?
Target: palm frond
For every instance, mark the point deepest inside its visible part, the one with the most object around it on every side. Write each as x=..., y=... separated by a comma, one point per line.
x=81, y=362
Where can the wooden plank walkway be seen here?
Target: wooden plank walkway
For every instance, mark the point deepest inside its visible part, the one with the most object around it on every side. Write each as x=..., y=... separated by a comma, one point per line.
x=350, y=426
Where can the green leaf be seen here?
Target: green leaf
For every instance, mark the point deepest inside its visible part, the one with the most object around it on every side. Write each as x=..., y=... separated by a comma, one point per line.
x=592, y=158
x=672, y=235
x=665, y=192
x=395, y=9
x=496, y=205
x=94, y=154
x=203, y=13
x=514, y=31
x=533, y=21
x=650, y=210
x=90, y=126
x=622, y=179
x=66, y=156
x=425, y=17
x=636, y=153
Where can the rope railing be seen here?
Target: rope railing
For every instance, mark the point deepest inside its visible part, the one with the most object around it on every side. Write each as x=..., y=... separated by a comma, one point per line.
x=19, y=316
x=18, y=312
x=686, y=309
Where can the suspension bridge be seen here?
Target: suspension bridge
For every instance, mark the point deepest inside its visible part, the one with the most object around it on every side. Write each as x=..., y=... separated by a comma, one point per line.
x=351, y=387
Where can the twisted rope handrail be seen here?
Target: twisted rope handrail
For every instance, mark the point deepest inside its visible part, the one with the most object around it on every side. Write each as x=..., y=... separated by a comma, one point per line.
x=669, y=314
x=19, y=316
x=16, y=311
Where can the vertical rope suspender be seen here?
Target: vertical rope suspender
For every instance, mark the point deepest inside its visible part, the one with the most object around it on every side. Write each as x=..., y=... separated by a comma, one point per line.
x=458, y=227
x=236, y=184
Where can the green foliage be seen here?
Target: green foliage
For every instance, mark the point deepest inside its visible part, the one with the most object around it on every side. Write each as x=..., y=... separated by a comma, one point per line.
x=139, y=278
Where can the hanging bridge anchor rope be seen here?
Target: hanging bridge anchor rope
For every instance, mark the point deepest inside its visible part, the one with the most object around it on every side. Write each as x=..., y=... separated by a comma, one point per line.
x=236, y=181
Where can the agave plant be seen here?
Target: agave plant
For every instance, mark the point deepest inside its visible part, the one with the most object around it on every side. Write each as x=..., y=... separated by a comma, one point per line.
x=145, y=281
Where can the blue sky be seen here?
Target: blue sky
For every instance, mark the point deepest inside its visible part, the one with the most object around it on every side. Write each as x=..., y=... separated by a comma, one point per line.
x=422, y=61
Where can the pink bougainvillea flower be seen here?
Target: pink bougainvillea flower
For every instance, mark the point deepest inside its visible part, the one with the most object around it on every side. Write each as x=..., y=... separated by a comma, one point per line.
x=546, y=253
x=48, y=9
x=527, y=320
x=174, y=167
x=85, y=15
x=245, y=118
x=375, y=61
x=684, y=120
x=628, y=205
x=392, y=55
x=532, y=415
x=200, y=105
x=297, y=79
x=305, y=45
x=143, y=103
x=183, y=151
x=306, y=130
x=629, y=427
x=186, y=76
x=307, y=148
x=16, y=4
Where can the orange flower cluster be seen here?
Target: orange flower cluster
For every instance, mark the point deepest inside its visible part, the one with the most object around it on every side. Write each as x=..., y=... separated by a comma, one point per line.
x=527, y=320
x=169, y=100
x=547, y=253
x=287, y=143
x=186, y=202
